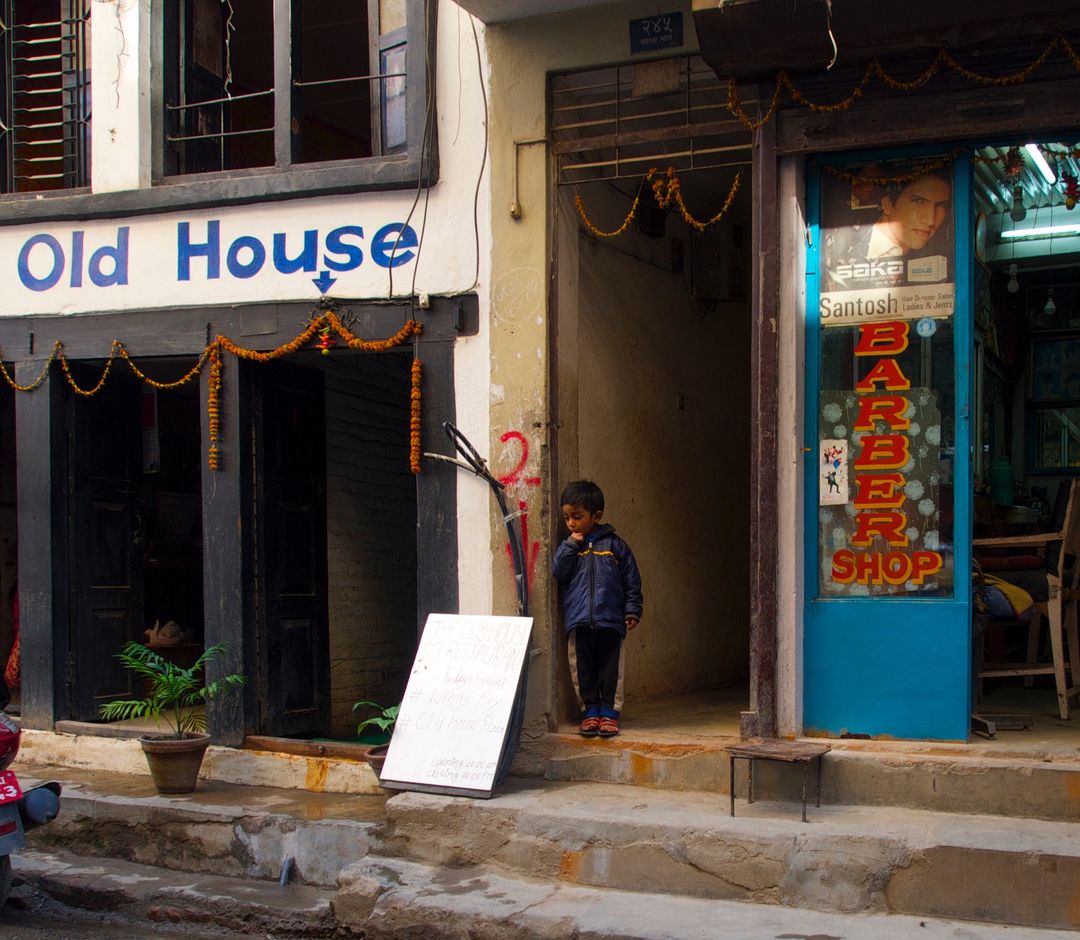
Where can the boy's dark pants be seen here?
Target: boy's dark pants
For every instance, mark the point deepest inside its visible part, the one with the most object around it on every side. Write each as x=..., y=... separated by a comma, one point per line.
x=596, y=666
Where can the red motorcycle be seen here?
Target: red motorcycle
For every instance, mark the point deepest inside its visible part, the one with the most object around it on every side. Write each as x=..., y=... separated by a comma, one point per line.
x=19, y=812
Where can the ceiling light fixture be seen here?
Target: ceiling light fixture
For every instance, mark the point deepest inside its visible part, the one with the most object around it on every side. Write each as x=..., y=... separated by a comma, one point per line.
x=1040, y=231
x=1018, y=213
x=1014, y=285
x=1051, y=308
x=1039, y=160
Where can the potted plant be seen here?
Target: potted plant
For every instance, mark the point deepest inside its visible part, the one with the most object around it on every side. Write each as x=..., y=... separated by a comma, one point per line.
x=173, y=696
x=383, y=721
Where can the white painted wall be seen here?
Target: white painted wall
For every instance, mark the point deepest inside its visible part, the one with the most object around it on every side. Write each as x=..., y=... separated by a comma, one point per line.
x=121, y=126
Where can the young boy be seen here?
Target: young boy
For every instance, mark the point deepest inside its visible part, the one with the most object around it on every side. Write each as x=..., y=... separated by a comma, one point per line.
x=601, y=590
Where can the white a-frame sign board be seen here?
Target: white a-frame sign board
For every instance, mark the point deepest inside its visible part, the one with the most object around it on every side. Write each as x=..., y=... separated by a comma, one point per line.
x=453, y=720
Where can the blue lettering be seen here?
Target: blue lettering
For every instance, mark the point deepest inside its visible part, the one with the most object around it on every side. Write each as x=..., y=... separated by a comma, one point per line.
x=258, y=256
x=391, y=244
x=305, y=261
x=118, y=256
x=210, y=249
x=50, y=279
x=335, y=245
x=77, y=239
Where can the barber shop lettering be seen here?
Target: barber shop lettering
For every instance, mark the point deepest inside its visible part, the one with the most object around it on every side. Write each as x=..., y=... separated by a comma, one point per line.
x=879, y=486
x=81, y=259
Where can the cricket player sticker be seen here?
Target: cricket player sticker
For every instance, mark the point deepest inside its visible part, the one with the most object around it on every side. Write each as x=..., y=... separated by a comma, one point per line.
x=833, y=473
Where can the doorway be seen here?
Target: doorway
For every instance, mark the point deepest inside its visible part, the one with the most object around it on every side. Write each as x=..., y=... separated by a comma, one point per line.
x=135, y=540
x=931, y=591
x=1027, y=439
x=330, y=615
x=653, y=356
x=334, y=521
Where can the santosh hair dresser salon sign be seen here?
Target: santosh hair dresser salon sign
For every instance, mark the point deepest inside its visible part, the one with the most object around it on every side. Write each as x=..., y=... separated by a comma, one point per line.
x=164, y=261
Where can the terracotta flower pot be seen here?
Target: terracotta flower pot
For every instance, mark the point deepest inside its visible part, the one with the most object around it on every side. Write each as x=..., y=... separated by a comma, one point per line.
x=376, y=757
x=175, y=762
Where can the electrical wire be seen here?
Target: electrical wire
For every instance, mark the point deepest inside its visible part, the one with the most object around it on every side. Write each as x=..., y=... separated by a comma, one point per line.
x=483, y=166
x=483, y=159
x=424, y=154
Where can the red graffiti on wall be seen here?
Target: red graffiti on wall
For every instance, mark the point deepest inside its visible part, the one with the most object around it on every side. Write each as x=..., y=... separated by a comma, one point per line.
x=517, y=477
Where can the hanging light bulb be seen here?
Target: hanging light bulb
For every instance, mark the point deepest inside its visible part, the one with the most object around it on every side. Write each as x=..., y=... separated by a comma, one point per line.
x=1051, y=308
x=1018, y=212
x=1014, y=285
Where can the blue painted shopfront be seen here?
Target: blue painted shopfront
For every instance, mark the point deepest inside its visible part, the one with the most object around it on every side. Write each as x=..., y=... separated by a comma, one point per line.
x=887, y=646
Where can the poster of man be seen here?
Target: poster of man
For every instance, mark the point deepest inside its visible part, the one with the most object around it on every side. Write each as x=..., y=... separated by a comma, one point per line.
x=887, y=242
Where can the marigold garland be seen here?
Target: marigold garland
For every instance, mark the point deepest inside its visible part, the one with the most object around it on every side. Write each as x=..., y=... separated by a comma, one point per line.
x=923, y=168
x=41, y=378
x=322, y=324
x=943, y=58
x=213, y=406
x=667, y=191
x=414, y=417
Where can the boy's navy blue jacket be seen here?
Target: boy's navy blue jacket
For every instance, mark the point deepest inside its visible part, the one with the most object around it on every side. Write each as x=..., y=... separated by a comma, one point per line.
x=600, y=581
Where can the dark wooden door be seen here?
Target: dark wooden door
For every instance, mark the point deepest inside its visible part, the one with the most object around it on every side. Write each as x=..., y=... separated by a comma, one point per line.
x=105, y=540
x=293, y=653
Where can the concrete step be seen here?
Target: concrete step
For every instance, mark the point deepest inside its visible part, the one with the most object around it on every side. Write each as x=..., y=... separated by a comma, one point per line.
x=220, y=829
x=851, y=859
x=151, y=895
x=387, y=899
x=1028, y=782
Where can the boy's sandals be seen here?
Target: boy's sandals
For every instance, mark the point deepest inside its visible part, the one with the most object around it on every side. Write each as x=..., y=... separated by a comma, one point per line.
x=609, y=727
x=590, y=727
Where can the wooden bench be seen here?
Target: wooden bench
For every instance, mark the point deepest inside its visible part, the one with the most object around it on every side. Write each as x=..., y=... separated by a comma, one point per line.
x=790, y=752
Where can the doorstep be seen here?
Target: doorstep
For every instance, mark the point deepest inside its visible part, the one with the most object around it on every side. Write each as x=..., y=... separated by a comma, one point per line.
x=1020, y=780
x=93, y=751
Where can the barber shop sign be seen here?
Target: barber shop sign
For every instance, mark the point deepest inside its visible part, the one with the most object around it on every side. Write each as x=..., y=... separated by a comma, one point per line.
x=884, y=539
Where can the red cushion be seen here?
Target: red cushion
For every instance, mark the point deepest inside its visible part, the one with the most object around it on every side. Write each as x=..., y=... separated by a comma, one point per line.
x=1012, y=562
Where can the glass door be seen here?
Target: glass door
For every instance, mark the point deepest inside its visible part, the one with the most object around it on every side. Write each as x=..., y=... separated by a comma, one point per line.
x=887, y=626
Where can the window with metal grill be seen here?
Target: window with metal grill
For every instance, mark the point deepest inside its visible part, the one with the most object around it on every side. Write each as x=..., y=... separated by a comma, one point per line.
x=45, y=123
x=327, y=83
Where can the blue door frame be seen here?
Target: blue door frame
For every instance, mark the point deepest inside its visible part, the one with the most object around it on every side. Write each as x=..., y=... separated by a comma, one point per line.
x=891, y=667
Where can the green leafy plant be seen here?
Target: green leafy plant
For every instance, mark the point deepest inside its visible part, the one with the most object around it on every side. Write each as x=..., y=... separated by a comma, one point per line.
x=384, y=720
x=174, y=692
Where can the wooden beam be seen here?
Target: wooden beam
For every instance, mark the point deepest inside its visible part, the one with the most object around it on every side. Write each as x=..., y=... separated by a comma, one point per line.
x=752, y=39
x=760, y=720
x=976, y=113
x=42, y=572
x=227, y=557
x=436, y=490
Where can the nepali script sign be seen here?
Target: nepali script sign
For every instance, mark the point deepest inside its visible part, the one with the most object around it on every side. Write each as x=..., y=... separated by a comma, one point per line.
x=454, y=717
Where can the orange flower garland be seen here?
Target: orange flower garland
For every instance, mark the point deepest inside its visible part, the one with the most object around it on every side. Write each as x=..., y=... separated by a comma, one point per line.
x=942, y=59
x=414, y=417
x=326, y=321
x=213, y=406
x=323, y=324
x=667, y=191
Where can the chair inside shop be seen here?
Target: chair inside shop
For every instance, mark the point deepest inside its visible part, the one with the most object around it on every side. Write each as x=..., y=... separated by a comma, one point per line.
x=1044, y=566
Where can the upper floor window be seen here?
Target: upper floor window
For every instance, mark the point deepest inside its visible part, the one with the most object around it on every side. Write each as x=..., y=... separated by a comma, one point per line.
x=277, y=83
x=45, y=112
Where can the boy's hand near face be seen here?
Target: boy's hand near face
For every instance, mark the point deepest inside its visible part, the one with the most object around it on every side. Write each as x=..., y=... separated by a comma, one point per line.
x=631, y=622
x=577, y=536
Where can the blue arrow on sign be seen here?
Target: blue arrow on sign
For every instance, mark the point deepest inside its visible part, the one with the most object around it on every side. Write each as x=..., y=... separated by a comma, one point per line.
x=324, y=281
